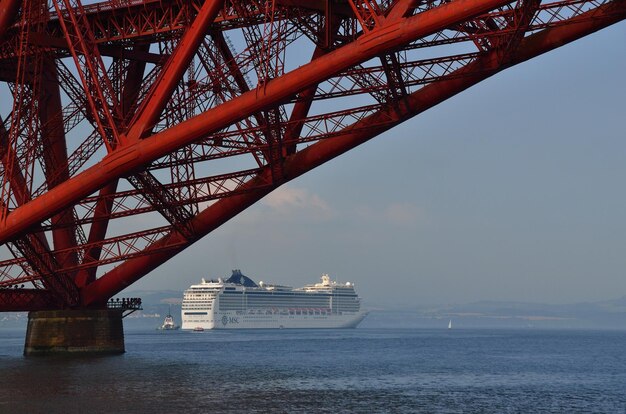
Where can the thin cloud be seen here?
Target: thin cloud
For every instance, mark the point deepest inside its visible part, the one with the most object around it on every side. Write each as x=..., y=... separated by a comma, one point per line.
x=403, y=214
x=297, y=201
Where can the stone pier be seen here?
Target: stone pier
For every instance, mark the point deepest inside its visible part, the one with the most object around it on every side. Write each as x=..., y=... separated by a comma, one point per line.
x=74, y=332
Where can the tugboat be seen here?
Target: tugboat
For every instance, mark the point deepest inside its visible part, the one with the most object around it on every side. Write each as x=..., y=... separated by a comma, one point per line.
x=168, y=323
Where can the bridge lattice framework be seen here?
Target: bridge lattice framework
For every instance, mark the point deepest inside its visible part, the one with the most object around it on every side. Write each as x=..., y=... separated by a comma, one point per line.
x=130, y=129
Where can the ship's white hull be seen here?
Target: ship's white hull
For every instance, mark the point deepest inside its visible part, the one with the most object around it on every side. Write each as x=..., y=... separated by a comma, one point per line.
x=233, y=320
x=239, y=303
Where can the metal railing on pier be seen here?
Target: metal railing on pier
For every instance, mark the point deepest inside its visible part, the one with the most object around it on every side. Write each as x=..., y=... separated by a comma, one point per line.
x=127, y=305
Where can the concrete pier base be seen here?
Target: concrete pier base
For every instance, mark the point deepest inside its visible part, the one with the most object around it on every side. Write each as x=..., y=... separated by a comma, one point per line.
x=74, y=332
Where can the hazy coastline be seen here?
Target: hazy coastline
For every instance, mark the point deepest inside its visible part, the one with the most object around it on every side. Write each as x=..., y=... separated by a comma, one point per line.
x=608, y=314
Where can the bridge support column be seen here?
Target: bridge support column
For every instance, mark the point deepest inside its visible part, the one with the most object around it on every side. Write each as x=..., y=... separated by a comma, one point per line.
x=74, y=332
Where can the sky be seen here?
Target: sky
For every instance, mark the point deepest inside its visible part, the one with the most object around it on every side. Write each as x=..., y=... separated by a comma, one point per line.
x=512, y=190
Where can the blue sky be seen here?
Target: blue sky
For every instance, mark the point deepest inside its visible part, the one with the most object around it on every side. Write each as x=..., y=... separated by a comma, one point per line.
x=512, y=190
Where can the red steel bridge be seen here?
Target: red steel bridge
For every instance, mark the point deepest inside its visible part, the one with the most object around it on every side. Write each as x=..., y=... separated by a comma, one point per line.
x=129, y=129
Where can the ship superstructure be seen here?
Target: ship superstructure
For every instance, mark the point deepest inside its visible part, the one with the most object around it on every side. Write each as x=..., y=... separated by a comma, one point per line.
x=168, y=322
x=239, y=303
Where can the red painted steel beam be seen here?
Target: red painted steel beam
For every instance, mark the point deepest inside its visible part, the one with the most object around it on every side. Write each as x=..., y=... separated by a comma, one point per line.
x=303, y=105
x=241, y=83
x=21, y=300
x=318, y=5
x=17, y=182
x=131, y=158
x=114, y=51
x=460, y=80
x=323, y=151
x=300, y=111
x=146, y=20
x=97, y=232
x=100, y=97
x=401, y=9
x=104, y=205
x=209, y=219
x=176, y=65
x=8, y=11
x=55, y=158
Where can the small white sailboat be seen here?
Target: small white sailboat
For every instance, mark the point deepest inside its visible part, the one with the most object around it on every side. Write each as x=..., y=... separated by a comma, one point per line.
x=450, y=324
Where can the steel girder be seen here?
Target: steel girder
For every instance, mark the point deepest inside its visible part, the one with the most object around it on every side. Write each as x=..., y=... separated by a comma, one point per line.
x=154, y=93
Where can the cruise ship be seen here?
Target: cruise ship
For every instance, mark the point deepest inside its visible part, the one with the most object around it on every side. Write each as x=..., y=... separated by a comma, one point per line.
x=239, y=303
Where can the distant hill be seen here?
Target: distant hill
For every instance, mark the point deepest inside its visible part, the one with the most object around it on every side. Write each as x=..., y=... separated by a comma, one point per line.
x=157, y=297
x=615, y=306
x=609, y=314
x=156, y=304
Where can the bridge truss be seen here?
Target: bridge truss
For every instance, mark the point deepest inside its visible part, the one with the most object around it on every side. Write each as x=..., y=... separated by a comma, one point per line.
x=130, y=129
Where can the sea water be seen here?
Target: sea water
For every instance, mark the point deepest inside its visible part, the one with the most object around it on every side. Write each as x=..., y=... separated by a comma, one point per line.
x=363, y=370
